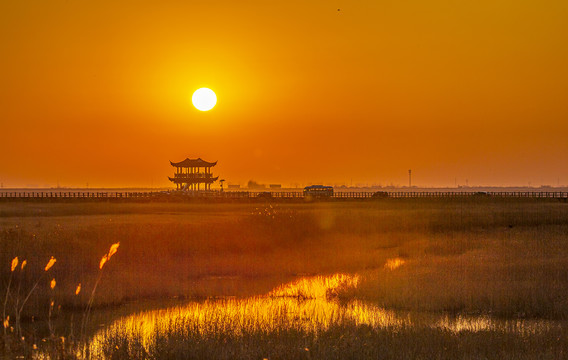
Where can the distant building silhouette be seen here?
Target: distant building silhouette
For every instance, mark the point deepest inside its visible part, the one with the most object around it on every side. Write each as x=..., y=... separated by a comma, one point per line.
x=190, y=173
x=253, y=185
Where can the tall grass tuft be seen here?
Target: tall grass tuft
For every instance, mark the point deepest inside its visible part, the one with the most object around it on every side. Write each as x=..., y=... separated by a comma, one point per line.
x=318, y=287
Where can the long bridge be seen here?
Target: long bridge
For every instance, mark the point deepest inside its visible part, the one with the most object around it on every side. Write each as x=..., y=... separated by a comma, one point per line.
x=262, y=195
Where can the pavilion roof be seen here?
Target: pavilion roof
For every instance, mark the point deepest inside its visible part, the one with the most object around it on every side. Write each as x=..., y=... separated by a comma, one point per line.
x=199, y=162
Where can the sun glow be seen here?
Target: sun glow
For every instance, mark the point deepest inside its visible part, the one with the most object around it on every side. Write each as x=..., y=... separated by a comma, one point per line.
x=204, y=99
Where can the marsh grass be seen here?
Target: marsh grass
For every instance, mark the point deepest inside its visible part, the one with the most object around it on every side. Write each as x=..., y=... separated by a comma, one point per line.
x=318, y=287
x=346, y=341
x=507, y=257
x=489, y=257
x=287, y=324
x=21, y=343
x=508, y=273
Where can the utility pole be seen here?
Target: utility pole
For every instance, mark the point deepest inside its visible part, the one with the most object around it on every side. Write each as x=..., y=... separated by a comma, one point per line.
x=409, y=178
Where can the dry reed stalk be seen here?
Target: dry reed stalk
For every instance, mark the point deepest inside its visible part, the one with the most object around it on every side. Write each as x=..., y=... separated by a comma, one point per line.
x=51, y=304
x=20, y=307
x=5, y=320
x=71, y=326
x=113, y=249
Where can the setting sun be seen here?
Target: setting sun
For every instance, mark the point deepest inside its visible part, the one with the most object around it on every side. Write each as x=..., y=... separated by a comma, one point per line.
x=204, y=99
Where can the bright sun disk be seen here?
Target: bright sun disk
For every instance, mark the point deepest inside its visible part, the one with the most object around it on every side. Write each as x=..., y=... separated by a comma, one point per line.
x=204, y=99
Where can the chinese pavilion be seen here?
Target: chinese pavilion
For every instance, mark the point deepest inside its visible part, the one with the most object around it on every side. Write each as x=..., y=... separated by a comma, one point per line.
x=192, y=172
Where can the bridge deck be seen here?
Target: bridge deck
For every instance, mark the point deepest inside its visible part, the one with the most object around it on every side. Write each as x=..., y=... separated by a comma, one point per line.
x=167, y=196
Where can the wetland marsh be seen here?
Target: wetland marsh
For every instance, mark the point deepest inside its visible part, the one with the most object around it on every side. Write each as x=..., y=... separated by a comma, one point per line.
x=395, y=278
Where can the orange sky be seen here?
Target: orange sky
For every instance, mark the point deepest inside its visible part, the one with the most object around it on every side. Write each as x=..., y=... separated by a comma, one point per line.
x=99, y=91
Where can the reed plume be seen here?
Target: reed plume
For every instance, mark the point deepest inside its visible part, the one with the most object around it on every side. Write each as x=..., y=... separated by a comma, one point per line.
x=50, y=263
x=14, y=264
x=103, y=261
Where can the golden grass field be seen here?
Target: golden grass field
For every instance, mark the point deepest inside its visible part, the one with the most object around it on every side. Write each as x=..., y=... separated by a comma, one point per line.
x=503, y=259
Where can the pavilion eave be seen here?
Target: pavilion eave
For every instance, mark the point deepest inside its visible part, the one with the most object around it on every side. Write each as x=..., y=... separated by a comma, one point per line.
x=195, y=163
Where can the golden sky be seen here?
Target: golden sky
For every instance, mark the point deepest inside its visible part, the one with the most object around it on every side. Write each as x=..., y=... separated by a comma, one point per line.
x=316, y=91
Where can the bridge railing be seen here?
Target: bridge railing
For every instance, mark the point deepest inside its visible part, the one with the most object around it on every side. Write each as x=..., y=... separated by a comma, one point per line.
x=274, y=194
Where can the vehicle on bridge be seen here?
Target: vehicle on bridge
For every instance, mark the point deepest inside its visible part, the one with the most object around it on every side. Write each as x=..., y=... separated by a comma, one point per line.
x=481, y=193
x=318, y=191
x=264, y=195
x=380, y=194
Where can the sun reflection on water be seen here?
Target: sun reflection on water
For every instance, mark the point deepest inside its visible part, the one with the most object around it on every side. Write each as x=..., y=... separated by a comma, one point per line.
x=308, y=304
